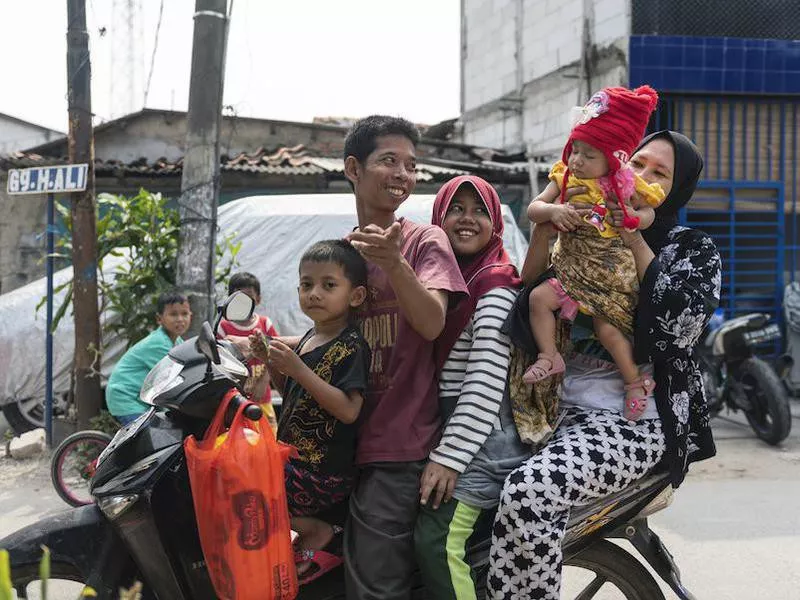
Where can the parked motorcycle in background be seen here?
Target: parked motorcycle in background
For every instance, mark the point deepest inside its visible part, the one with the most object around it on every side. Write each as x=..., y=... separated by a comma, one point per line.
x=736, y=378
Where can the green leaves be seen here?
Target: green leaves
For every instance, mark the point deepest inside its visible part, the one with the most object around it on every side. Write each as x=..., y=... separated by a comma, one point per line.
x=144, y=231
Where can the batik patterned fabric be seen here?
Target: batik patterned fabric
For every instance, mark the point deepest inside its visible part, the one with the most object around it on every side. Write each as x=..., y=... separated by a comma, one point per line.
x=536, y=407
x=599, y=274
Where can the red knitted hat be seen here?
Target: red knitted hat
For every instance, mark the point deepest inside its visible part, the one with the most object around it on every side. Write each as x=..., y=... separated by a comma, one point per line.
x=614, y=121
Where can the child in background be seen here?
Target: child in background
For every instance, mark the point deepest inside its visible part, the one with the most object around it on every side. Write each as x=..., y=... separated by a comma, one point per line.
x=594, y=271
x=323, y=380
x=125, y=383
x=257, y=386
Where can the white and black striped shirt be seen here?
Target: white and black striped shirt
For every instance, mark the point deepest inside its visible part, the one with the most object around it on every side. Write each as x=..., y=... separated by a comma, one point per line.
x=475, y=377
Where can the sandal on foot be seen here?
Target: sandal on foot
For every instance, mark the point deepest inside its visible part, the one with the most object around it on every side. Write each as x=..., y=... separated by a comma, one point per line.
x=539, y=370
x=636, y=403
x=320, y=561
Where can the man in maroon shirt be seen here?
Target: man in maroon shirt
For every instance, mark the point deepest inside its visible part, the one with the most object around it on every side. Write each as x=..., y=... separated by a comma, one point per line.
x=413, y=277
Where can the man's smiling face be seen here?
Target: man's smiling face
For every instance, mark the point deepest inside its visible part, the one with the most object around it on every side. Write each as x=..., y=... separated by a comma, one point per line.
x=388, y=175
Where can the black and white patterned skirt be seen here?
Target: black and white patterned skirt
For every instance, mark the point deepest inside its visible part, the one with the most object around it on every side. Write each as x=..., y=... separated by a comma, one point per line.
x=592, y=454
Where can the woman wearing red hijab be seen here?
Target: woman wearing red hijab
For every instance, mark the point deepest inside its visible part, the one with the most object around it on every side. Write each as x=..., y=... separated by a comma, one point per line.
x=480, y=444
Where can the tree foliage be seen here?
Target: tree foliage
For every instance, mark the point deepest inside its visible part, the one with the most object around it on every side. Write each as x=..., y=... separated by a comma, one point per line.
x=142, y=231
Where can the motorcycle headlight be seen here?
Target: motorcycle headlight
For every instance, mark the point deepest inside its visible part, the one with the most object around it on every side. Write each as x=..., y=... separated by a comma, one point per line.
x=114, y=506
x=163, y=377
x=229, y=364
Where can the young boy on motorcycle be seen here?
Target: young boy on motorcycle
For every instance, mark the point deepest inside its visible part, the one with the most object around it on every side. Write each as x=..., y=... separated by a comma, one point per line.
x=323, y=381
x=122, y=392
x=412, y=277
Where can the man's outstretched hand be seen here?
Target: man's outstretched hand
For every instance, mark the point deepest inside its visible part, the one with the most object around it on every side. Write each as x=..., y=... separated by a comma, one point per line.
x=379, y=246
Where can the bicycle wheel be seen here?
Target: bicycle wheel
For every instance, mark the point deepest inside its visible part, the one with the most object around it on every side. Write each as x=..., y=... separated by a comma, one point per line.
x=73, y=464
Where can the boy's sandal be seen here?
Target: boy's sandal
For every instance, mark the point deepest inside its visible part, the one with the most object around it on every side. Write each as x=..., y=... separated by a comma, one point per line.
x=636, y=403
x=321, y=561
x=540, y=369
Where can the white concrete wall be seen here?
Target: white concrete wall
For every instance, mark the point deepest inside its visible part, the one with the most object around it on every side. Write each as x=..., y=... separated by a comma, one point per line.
x=612, y=20
x=496, y=129
x=551, y=36
x=550, y=59
x=16, y=135
x=547, y=107
x=489, y=65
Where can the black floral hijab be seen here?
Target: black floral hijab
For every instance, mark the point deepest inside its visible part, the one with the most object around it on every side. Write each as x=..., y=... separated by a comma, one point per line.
x=688, y=166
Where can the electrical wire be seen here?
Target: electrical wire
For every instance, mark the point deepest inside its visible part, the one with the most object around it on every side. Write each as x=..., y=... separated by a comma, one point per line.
x=153, y=57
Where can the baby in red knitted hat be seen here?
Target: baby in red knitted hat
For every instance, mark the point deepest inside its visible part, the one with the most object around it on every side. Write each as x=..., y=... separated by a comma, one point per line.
x=594, y=272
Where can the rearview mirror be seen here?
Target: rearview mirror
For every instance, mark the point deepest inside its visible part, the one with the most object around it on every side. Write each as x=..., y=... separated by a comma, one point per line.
x=206, y=344
x=238, y=307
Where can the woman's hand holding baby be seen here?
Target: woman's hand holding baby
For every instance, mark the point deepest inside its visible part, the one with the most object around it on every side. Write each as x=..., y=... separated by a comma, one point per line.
x=646, y=214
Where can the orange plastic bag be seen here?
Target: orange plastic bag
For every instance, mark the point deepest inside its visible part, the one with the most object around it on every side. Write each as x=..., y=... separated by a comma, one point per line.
x=239, y=494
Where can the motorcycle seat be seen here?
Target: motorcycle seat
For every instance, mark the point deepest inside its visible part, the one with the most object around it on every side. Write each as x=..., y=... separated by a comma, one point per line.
x=716, y=339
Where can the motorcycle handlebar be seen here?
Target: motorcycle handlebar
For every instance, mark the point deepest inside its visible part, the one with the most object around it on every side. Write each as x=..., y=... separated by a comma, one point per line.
x=252, y=411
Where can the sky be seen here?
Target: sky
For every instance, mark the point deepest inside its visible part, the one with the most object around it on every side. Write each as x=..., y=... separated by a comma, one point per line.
x=287, y=59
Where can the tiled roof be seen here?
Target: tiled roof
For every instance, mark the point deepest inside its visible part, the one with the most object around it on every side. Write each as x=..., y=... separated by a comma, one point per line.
x=294, y=161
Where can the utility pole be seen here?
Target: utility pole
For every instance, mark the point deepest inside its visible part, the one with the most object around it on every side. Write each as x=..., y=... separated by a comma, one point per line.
x=88, y=395
x=200, y=181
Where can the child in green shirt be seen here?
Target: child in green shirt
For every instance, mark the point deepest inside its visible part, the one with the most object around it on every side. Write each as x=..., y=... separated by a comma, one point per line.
x=122, y=392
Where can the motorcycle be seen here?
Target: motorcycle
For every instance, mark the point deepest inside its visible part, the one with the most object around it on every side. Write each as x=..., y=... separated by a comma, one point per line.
x=142, y=526
x=734, y=377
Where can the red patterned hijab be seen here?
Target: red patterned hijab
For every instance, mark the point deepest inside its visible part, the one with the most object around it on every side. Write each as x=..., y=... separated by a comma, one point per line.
x=488, y=269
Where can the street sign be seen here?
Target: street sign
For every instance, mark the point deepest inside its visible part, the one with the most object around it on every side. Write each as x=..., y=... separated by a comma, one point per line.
x=51, y=181
x=48, y=180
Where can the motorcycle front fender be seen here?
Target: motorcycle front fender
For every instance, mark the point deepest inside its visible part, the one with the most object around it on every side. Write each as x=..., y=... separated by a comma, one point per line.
x=81, y=537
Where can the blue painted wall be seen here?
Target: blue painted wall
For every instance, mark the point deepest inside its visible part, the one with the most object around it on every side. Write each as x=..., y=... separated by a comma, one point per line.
x=715, y=64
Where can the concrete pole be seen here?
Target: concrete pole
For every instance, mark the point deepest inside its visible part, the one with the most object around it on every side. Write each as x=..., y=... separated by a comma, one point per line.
x=88, y=395
x=200, y=182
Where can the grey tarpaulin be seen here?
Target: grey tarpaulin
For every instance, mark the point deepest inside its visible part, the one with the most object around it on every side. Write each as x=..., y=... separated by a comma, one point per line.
x=274, y=232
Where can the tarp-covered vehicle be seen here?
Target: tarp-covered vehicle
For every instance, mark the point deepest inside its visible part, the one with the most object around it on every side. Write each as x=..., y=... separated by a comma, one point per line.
x=274, y=232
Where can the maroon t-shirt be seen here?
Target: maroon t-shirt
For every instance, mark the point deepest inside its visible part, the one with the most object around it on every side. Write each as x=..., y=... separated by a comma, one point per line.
x=400, y=418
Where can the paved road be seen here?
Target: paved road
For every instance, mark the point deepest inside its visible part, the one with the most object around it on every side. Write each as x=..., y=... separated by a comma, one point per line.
x=734, y=527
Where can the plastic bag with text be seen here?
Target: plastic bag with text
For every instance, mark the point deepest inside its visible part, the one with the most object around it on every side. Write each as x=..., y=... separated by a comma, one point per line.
x=237, y=480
